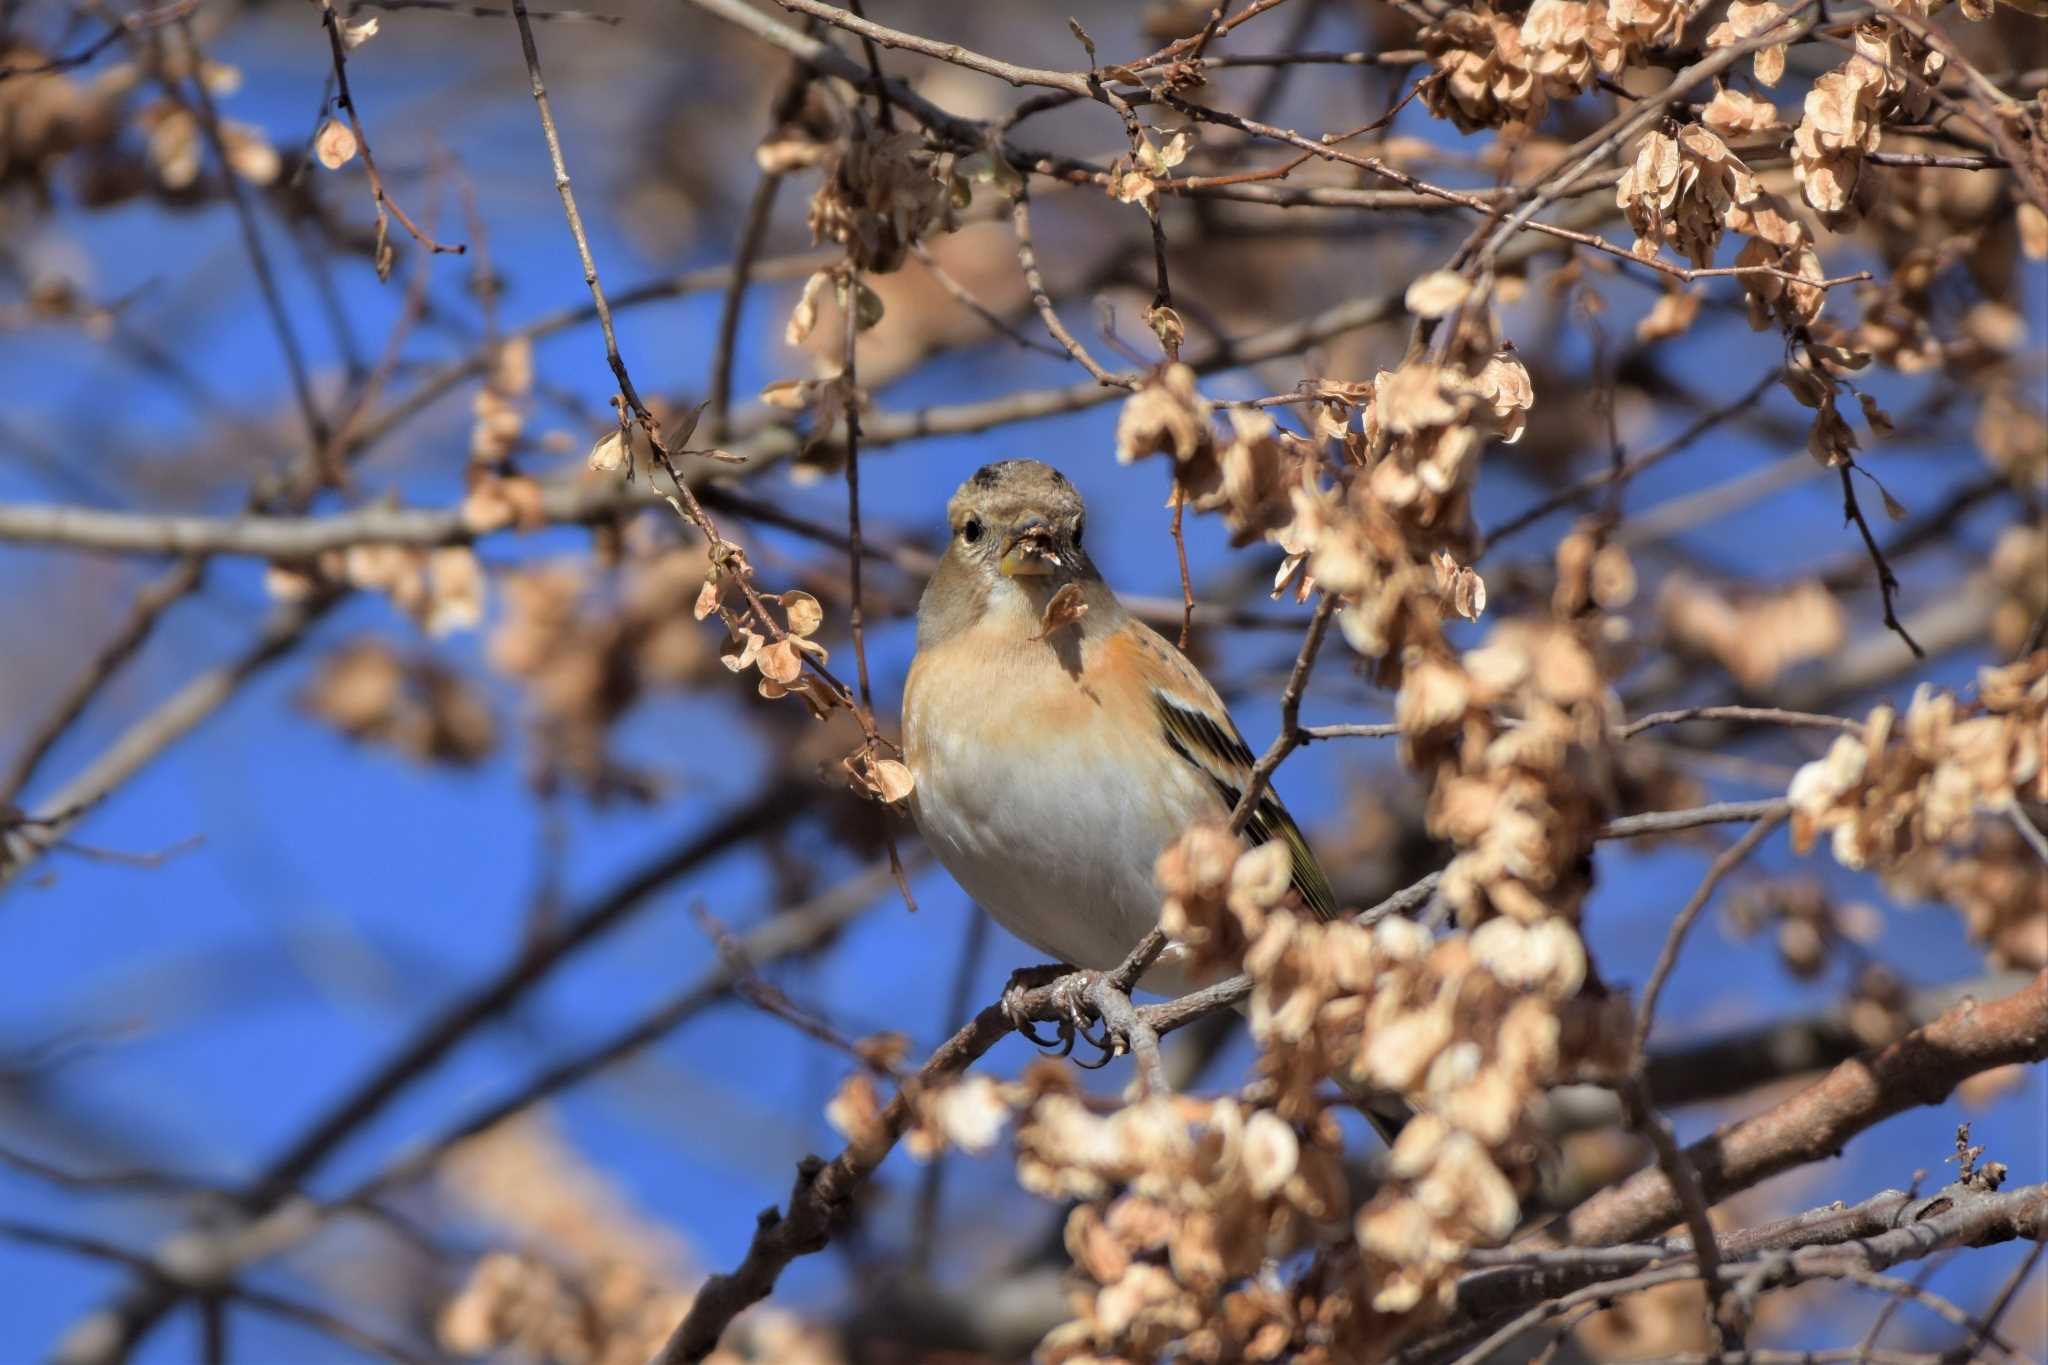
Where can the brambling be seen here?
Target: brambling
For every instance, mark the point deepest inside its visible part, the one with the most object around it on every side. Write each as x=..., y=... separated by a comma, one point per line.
x=1057, y=755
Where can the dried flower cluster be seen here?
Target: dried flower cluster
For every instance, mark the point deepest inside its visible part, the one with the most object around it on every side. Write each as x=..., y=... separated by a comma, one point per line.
x=1924, y=778
x=1683, y=190
x=1889, y=76
x=1376, y=541
x=585, y=655
x=498, y=496
x=1757, y=135
x=882, y=194
x=1187, y=1204
x=420, y=707
x=443, y=590
x=498, y=412
x=1757, y=637
x=1496, y=71
x=1249, y=474
x=586, y=1281
x=1806, y=924
x=1192, y=1204
x=1997, y=884
x=45, y=120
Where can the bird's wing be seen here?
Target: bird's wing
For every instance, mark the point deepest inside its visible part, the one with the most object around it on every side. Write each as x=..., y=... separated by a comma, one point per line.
x=1196, y=725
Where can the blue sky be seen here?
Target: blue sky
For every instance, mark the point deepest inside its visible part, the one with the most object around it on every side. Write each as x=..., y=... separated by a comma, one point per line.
x=209, y=1006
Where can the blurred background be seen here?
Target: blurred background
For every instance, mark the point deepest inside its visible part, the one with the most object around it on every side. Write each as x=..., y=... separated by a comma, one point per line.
x=353, y=835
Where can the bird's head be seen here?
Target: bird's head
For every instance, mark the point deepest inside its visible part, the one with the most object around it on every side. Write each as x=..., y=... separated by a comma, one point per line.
x=1018, y=519
x=1015, y=541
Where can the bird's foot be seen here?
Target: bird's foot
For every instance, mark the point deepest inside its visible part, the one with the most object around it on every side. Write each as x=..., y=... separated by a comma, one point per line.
x=1069, y=998
x=1022, y=983
x=1075, y=997
x=1087, y=1006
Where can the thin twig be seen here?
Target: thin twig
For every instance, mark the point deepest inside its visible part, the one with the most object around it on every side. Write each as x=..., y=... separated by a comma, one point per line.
x=259, y=257
x=856, y=620
x=2005, y=1296
x=1723, y=1310
x=1681, y=924
x=772, y=1000
x=1760, y=715
x=156, y=598
x=562, y=187
x=127, y=27
x=2029, y=831
x=1482, y=206
x=1027, y=260
x=870, y=32
x=965, y=298
x=1180, y=554
x=273, y=1305
x=1592, y=483
x=1289, y=737
x=1887, y=582
x=489, y=11
x=792, y=932
x=1671, y=821
x=753, y=234
x=171, y=720
x=1384, y=730
x=338, y=52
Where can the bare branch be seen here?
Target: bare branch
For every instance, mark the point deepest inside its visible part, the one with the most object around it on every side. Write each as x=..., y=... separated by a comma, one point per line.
x=1921, y=1068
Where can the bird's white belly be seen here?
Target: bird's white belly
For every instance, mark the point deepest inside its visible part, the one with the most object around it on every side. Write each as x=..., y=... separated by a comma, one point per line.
x=1061, y=859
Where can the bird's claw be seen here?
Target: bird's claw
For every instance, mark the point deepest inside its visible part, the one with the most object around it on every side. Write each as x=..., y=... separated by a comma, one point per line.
x=1072, y=992
x=1023, y=981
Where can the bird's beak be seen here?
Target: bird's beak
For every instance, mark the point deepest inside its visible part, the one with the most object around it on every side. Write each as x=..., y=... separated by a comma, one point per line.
x=1028, y=551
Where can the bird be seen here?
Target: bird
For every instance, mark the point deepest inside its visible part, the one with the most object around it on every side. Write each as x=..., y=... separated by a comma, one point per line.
x=1055, y=755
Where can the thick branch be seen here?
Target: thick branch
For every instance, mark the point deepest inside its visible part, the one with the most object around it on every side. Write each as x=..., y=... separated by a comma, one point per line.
x=1836, y=1242
x=1920, y=1069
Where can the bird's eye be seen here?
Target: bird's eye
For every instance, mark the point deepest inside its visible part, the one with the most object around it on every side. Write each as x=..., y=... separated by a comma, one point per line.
x=970, y=530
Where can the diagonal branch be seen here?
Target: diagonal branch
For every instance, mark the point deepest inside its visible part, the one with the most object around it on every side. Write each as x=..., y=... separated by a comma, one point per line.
x=1920, y=1069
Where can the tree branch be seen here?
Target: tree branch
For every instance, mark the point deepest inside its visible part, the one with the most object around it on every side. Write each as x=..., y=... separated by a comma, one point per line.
x=1920, y=1069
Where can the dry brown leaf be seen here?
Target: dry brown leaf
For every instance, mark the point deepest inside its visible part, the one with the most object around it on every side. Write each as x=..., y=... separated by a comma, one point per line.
x=334, y=144
x=1756, y=637
x=1461, y=589
x=1731, y=112
x=893, y=780
x=1670, y=316
x=1880, y=421
x=739, y=654
x=1064, y=609
x=250, y=154
x=791, y=395
x=856, y=1111
x=1436, y=294
x=804, y=317
x=608, y=455
x=805, y=615
x=782, y=662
